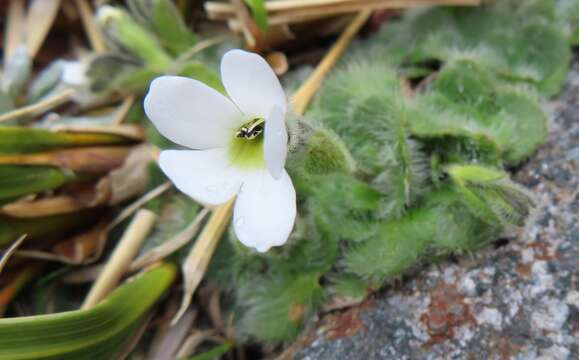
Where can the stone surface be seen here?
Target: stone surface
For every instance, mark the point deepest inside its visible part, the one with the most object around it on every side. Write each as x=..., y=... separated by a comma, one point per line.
x=516, y=301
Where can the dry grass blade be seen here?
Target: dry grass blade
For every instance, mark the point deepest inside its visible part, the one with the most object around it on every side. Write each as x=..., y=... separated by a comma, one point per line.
x=83, y=275
x=130, y=131
x=198, y=259
x=171, y=245
x=193, y=341
x=92, y=30
x=277, y=20
x=123, y=110
x=377, y=5
x=41, y=15
x=136, y=336
x=224, y=11
x=85, y=159
x=219, y=8
x=202, y=45
x=129, y=210
x=83, y=248
x=128, y=180
x=169, y=338
x=15, y=28
x=121, y=257
x=10, y=251
x=39, y=107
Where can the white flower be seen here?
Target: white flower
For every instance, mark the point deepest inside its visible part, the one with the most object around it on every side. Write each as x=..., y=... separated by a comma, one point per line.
x=240, y=142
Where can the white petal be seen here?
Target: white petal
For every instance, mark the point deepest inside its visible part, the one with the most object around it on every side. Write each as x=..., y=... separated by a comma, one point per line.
x=204, y=175
x=265, y=211
x=275, y=142
x=190, y=113
x=251, y=83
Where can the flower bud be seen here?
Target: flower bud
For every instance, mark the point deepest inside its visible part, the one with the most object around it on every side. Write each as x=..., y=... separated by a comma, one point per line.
x=319, y=150
x=127, y=34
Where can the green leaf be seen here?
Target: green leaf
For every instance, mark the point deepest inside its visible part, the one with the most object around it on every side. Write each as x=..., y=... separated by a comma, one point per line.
x=568, y=12
x=17, y=181
x=361, y=103
x=6, y=103
x=259, y=13
x=134, y=80
x=104, y=69
x=458, y=230
x=16, y=72
x=170, y=27
x=44, y=82
x=129, y=35
x=491, y=195
x=164, y=19
x=214, y=353
x=440, y=128
x=395, y=249
x=199, y=71
x=45, y=227
x=348, y=285
x=97, y=333
x=277, y=306
x=344, y=207
x=21, y=140
x=480, y=105
x=325, y=153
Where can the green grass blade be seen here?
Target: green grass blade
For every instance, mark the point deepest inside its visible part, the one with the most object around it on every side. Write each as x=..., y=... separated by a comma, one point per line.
x=21, y=140
x=16, y=181
x=96, y=333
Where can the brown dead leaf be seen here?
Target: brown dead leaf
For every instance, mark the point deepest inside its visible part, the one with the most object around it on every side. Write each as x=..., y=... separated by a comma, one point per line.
x=130, y=179
x=88, y=159
x=30, y=208
x=131, y=132
x=83, y=248
x=278, y=62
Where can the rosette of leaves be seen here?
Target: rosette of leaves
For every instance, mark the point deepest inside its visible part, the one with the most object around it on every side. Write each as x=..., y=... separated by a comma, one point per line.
x=146, y=39
x=496, y=35
x=426, y=174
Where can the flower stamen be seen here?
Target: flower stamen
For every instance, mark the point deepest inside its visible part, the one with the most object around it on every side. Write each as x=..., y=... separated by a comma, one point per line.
x=251, y=130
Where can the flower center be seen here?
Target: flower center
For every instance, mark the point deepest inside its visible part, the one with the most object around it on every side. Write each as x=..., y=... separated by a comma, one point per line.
x=246, y=148
x=251, y=130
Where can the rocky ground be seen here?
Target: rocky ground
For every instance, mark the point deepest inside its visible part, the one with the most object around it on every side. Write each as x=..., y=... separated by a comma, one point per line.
x=518, y=301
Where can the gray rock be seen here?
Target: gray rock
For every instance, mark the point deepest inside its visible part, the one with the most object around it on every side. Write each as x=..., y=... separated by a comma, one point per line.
x=517, y=301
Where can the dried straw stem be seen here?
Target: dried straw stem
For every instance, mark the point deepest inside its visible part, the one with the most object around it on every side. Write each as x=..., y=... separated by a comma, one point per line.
x=123, y=110
x=121, y=257
x=39, y=107
x=198, y=259
x=15, y=28
x=95, y=37
x=41, y=15
x=10, y=251
x=224, y=11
